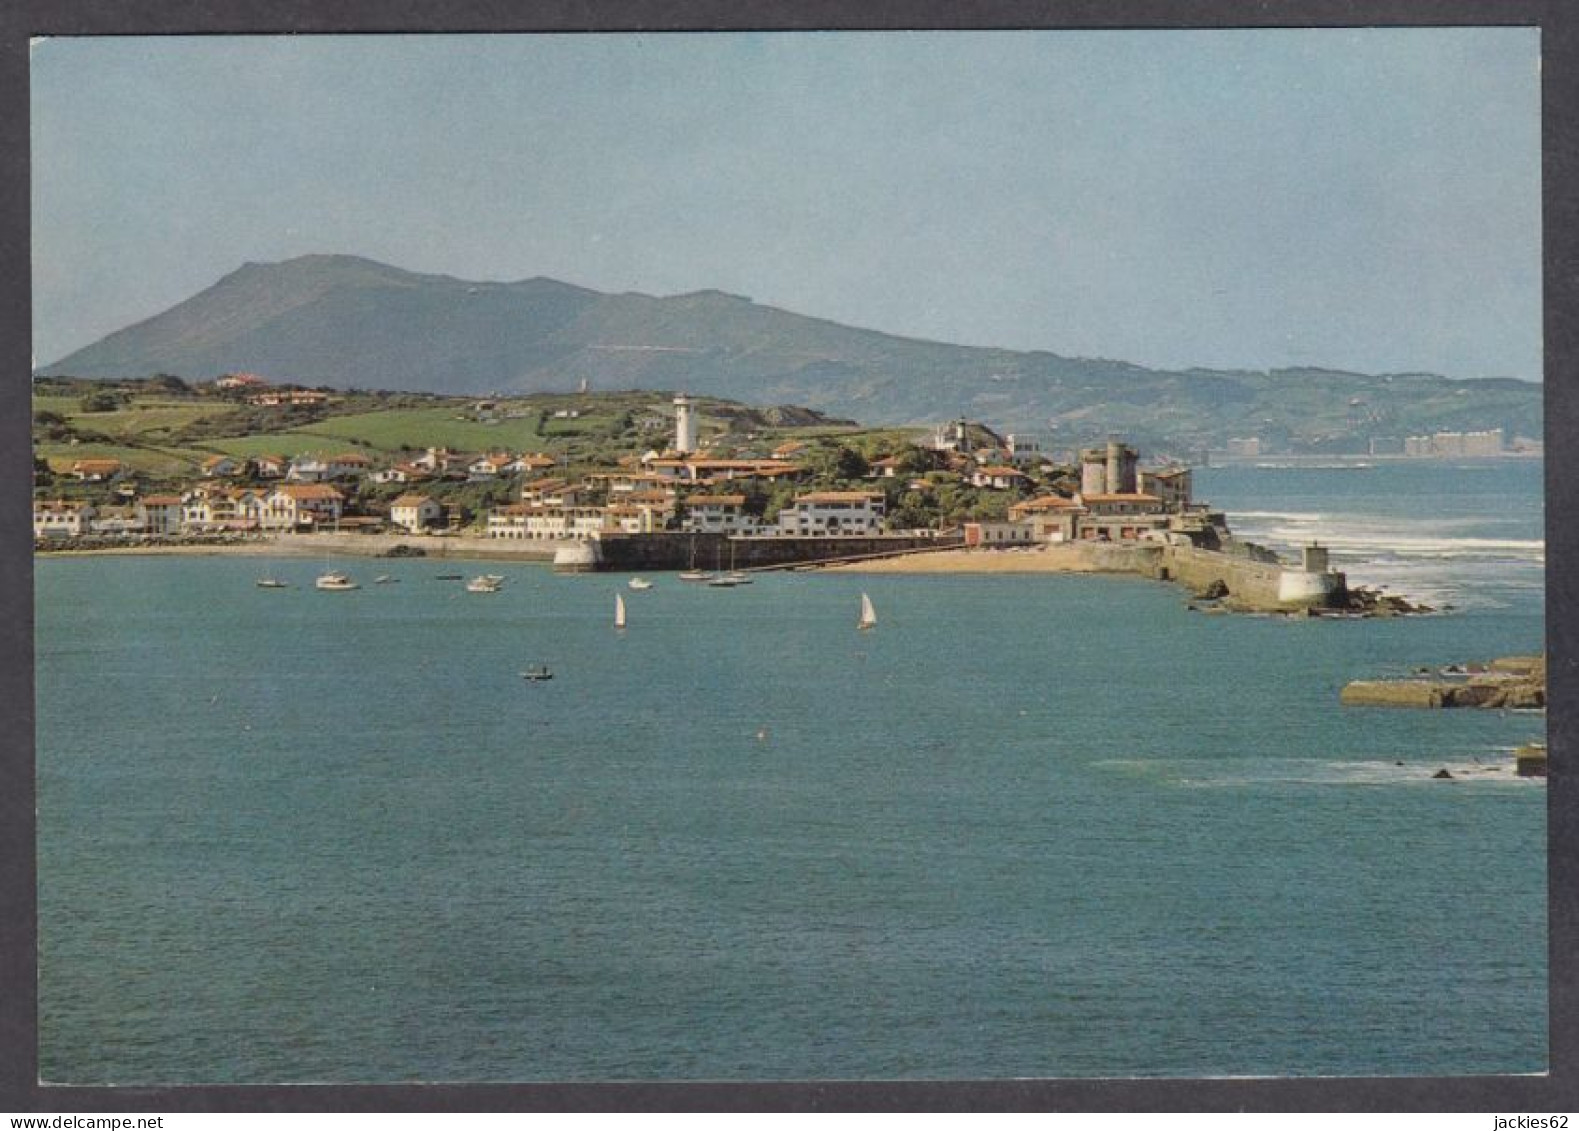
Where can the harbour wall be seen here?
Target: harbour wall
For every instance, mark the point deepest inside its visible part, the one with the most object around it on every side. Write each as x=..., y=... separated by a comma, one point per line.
x=670, y=551
x=1251, y=584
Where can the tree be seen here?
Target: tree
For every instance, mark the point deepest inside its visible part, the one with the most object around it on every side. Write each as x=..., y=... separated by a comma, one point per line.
x=104, y=400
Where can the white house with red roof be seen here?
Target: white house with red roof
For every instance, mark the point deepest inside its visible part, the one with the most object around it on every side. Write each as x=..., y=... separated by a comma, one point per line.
x=717, y=514
x=416, y=513
x=834, y=513
x=61, y=518
x=296, y=506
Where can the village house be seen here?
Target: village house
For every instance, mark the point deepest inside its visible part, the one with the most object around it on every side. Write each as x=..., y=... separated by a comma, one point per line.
x=528, y=464
x=273, y=398
x=416, y=513
x=1052, y=518
x=62, y=518
x=833, y=512
x=348, y=465
x=1001, y=478
x=160, y=514
x=97, y=470
x=270, y=466
x=551, y=492
x=1171, y=486
x=488, y=466
x=296, y=506
x=717, y=514
x=400, y=473
x=443, y=461
x=1122, y=517
x=215, y=467
x=240, y=381
x=115, y=521
x=307, y=469
x=209, y=509
x=999, y=534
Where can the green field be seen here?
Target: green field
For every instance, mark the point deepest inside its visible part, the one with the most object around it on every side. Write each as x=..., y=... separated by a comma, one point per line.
x=609, y=426
x=155, y=462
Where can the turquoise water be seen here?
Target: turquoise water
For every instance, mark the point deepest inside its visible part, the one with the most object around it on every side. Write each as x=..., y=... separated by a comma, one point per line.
x=1029, y=826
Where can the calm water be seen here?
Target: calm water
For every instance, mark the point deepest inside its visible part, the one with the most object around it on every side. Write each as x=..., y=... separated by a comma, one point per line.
x=1030, y=826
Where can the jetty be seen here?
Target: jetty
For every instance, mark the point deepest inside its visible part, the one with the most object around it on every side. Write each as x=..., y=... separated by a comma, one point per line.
x=1509, y=683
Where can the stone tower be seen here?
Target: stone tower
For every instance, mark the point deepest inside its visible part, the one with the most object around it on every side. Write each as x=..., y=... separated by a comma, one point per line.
x=684, y=425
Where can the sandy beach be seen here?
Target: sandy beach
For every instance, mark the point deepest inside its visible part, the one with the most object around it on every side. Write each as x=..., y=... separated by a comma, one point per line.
x=1068, y=558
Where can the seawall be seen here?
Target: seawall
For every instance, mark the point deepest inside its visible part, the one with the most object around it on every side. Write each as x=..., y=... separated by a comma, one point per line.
x=671, y=551
x=1252, y=585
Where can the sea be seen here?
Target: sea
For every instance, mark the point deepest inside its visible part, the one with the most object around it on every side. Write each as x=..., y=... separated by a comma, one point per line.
x=1028, y=826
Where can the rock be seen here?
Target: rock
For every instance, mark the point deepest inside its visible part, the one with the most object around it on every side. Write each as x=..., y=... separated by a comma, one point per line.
x=1443, y=775
x=1214, y=591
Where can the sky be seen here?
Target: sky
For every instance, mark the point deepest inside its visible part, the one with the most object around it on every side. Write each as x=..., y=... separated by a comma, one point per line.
x=1363, y=199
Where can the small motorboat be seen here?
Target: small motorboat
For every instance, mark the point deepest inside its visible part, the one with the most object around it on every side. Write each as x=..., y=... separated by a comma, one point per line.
x=487, y=583
x=272, y=583
x=537, y=673
x=385, y=579
x=640, y=583
x=447, y=577
x=335, y=580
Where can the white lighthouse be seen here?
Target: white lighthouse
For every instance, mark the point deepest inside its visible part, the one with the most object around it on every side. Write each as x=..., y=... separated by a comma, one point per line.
x=684, y=425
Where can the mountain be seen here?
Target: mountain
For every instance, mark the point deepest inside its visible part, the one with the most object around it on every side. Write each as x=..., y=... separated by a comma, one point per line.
x=347, y=322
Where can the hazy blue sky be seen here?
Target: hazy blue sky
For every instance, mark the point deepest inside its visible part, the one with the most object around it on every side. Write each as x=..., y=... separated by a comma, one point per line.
x=1363, y=199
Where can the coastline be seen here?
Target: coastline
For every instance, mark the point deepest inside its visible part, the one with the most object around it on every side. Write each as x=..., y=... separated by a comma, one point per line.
x=329, y=545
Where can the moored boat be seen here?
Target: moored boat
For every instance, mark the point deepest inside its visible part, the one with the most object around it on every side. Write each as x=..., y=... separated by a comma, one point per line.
x=640, y=583
x=486, y=583
x=272, y=583
x=537, y=673
x=335, y=580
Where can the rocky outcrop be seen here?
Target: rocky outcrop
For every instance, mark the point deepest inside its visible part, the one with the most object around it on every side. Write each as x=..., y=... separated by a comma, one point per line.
x=1511, y=683
x=1373, y=603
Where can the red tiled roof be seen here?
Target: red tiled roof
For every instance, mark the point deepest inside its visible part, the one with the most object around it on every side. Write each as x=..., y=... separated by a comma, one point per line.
x=411, y=501
x=310, y=491
x=839, y=497
x=1046, y=503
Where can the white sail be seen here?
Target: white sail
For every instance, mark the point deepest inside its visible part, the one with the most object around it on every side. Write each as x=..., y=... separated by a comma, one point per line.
x=619, y=611
x=868, y=614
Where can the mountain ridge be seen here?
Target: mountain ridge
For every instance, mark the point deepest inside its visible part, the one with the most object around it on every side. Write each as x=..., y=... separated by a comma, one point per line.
x=351, y=322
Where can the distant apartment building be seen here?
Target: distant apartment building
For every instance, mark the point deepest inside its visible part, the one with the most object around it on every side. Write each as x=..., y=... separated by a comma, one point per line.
x=545, y=521
x=61, y=518
x=717, y=514
x=833, y=512
x=160, y=514
x=1021, y=449
x=1491, y=442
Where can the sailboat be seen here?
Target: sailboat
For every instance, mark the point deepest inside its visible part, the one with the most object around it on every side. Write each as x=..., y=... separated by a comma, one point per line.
x=735, y=575
x=693, y=574
x=868, y=614
x=619, y=611
x=720, y=579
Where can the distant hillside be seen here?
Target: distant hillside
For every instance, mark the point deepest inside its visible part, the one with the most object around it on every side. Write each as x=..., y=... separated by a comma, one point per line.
x=346, y=322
